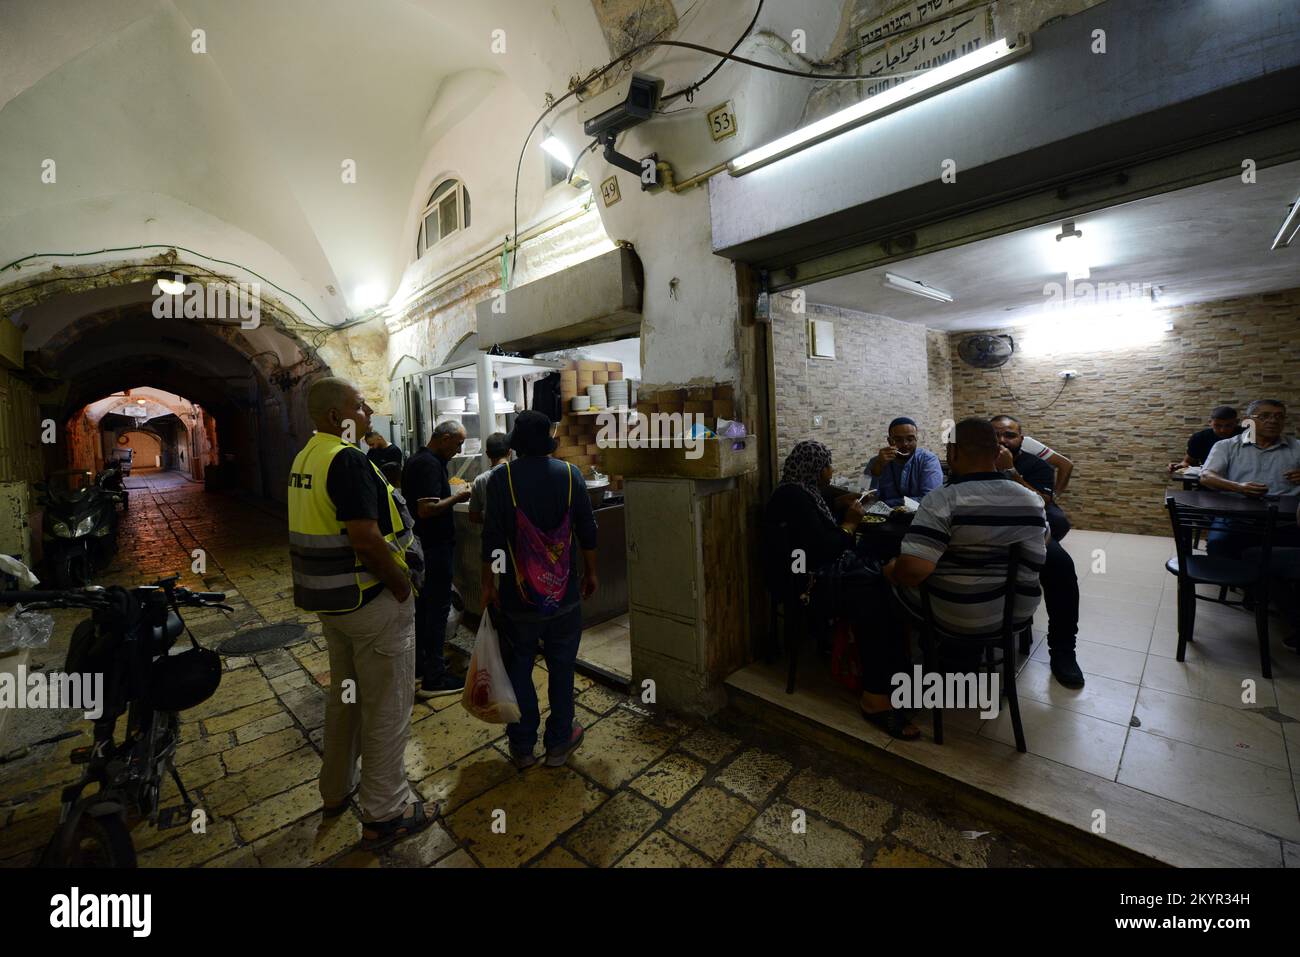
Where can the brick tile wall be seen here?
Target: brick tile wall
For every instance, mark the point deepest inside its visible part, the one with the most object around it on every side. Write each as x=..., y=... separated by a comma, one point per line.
x=1130, y=412
x=883, y=368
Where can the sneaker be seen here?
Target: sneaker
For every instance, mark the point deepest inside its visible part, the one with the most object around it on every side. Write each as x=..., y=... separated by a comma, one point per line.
x=1066, y=669
x=523, y=762
x=447, y=684
x=556, y=759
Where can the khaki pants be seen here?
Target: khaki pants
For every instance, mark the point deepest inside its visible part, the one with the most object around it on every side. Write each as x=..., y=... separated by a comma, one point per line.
x=374, y=647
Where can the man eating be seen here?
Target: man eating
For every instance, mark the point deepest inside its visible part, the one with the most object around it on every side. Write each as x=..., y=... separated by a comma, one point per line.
x=901, y=469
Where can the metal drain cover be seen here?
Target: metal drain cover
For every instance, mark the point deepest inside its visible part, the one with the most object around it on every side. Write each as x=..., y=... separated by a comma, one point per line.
x=256, y=640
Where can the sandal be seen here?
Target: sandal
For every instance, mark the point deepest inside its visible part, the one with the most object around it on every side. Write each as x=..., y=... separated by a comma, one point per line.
x=334, y=810
x=380, y=834
x=893, y=722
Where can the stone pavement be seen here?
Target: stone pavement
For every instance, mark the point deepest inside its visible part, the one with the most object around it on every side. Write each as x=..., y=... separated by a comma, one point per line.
x=643, y=791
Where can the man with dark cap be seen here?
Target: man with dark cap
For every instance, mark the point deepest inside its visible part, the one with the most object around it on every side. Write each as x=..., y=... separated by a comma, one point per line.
x=536, y=507
x=901, y=469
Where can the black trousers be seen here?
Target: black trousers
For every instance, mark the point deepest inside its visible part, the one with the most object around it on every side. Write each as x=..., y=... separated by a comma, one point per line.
x=1060, y=586
x=433, y=606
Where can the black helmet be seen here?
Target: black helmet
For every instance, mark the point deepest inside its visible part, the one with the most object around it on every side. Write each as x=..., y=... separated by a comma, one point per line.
x=177, y=682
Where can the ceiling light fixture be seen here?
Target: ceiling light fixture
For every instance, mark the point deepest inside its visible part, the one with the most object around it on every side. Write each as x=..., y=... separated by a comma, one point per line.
x=1074, y=254
x=918, y=88
x=555, y=146
x=170, y=284
x=916, y=288
x=368, y=296
x=1290, y=226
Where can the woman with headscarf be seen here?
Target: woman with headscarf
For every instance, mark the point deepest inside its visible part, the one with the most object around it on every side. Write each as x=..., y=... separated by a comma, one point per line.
x=800, y=523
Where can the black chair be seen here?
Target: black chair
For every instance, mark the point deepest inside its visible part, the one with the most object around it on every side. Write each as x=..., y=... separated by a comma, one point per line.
x=1192, y=569
x=933, y=640
x=788, y=593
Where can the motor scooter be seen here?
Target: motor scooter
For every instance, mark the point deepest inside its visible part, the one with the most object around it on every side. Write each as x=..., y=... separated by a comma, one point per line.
x=79, y=528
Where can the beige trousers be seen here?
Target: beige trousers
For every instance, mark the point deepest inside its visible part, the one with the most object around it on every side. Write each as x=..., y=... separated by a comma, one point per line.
x=368, y=712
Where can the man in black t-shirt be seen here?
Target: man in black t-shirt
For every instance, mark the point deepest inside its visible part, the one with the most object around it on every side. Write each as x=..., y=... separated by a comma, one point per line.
x=382, y=452
x=1224, y=424
x=1059, y=580
x=425, y=482
x=342, y=539
x=359, y=494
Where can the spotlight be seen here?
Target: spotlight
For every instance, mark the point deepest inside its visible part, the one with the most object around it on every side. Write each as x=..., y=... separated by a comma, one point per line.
x=171, y=284
x=1073, y=252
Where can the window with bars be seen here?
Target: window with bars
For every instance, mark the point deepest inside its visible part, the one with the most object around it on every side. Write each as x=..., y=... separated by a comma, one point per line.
x=446, y=213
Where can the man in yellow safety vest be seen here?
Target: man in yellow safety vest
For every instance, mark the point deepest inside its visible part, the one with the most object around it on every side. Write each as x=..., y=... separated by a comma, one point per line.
x=355, y=563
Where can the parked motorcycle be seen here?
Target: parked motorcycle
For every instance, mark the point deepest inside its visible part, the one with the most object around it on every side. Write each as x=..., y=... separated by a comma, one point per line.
x=79, y=529
x=126, y=640
x=112, y=480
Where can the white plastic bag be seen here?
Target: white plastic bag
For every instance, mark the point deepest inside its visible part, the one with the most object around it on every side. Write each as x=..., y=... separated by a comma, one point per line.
x=489, y=695
x=32, y=630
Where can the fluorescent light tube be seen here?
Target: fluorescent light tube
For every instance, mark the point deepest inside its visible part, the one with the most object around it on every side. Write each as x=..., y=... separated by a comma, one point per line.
x=555, y=146
x=1290, y=226
x=916, y=288
x=928, y=83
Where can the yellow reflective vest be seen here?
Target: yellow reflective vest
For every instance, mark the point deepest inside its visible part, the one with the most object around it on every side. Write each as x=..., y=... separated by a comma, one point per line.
x=328, y=575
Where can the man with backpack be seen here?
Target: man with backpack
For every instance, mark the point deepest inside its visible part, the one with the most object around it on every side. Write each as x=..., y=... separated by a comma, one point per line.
x=538, y=515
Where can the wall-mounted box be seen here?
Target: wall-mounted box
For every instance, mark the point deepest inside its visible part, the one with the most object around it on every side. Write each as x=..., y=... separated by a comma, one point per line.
x=598, y=300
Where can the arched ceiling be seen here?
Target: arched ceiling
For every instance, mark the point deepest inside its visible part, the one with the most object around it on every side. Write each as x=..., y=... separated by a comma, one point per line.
x=155, y=404
x=237, y=153
x=107, y=353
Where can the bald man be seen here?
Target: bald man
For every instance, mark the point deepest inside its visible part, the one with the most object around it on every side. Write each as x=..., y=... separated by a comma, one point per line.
x=356, y=562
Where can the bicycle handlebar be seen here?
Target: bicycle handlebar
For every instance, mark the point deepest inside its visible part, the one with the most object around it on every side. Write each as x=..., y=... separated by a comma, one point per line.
x=88, y=597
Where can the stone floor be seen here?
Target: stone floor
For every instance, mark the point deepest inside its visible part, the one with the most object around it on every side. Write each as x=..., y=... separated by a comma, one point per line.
x=642, y=792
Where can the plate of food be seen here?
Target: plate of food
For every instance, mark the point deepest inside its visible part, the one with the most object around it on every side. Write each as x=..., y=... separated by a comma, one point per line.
x=872, y=519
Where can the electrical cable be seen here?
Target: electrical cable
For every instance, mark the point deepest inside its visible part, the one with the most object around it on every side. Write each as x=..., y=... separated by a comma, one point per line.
x=225, y=262
x=689, y=91
x=1014, y=398
x=724, y=55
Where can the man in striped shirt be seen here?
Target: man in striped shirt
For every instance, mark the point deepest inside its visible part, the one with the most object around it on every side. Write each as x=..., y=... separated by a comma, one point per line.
x=958, y=543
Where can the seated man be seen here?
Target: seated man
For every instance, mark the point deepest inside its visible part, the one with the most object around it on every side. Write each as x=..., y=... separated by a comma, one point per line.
x=957, y=543
x=1029, y=470
x=1064, y=467
x=1223, y=425
x=901, y=469
x=1263, y=460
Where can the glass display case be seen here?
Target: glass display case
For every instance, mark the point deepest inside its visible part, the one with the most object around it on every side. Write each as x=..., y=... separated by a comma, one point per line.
x=457, y=393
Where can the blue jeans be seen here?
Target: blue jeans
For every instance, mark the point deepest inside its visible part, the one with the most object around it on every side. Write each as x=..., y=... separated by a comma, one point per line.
x=558, y=638
x=1223, y=541
x=432, y=606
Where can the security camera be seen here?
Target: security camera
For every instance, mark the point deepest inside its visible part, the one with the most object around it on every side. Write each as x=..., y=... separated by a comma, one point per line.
x=628, y=102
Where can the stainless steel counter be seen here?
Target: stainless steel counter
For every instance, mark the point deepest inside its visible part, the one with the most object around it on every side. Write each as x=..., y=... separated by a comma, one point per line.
x=610, y=599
